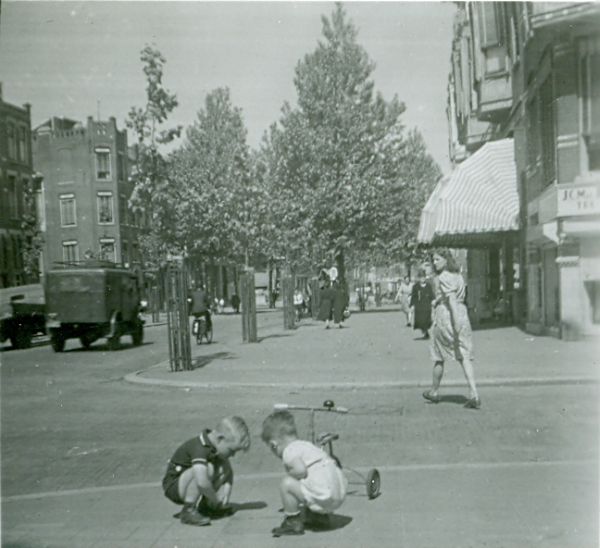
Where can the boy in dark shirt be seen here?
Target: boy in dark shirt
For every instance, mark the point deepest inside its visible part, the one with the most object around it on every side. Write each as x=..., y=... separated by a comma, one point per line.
x=199, y=473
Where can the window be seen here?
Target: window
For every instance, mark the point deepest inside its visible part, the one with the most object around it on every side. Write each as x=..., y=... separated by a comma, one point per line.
x=121, y=166
x=12, y=141
x=548, y=131
x=488, y=24
x=13, y=201
x=590, y=82
x=22, y=145
x=107, y=249
x=67, y=210
x=105, y=208
x=103, y=164
x=70, y=251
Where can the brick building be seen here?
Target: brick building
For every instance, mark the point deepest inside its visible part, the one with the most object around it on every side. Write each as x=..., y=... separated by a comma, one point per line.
x=86, y=191
x=15, y=177
x=529, y=73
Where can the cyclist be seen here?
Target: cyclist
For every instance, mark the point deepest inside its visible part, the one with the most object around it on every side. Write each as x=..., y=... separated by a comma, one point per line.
x=201, y=305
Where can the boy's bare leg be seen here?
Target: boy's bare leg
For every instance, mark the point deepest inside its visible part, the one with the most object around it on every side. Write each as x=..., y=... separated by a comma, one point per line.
x=188, y=488
x=291, y=495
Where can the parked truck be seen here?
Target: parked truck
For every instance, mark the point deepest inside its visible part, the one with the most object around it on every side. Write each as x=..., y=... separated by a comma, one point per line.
x=22, y=314
x=93, y=300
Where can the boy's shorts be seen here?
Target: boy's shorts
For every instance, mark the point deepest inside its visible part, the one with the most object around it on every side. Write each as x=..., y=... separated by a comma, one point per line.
x=170, y=483
x=325, y=487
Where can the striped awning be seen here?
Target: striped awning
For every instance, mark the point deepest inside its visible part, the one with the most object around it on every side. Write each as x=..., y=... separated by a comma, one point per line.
x=478, y=198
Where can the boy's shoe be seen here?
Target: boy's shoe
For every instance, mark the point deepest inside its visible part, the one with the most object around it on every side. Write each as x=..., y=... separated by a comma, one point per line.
x=291, y=525
x=316, y=520
x=473, y=403
x=190, y=516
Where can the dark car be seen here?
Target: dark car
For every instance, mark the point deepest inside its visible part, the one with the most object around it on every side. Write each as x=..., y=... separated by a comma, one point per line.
x=92, y=301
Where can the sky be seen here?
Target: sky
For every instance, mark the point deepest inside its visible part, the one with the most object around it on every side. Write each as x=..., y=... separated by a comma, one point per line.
x=80, y=59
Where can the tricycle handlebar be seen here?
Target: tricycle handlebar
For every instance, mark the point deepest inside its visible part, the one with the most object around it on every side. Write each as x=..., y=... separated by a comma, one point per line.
x=287, y=406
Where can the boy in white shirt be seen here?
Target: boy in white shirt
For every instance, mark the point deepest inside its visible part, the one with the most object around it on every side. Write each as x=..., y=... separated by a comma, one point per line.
x=313, y=478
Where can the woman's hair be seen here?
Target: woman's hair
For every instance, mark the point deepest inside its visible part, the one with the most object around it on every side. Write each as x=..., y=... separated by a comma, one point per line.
x=235, y=428
x=421, y=273
x=451, y=264
x=277, y=425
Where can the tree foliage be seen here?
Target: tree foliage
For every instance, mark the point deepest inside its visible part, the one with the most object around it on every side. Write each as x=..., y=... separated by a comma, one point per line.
x=345, y=179
x=153, y=196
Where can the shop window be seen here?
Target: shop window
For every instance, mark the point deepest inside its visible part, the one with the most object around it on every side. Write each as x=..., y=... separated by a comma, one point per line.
x=105, y=208
x=103, y=172
x=70, y=251
x=68, y=215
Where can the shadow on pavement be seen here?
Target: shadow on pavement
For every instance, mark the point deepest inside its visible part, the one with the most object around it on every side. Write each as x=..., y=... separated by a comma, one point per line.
x=274, y=336
x=454, y=398
x=203, y=361
x=104, y=347
x=336, y=521
x=251, y=505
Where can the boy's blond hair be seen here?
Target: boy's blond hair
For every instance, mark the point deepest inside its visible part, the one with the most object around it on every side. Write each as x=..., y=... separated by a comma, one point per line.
x=278, y=424
x=236, y=429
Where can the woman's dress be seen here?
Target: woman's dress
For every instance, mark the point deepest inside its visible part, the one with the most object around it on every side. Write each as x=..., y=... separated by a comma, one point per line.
x=446, y=343
x=421, y=298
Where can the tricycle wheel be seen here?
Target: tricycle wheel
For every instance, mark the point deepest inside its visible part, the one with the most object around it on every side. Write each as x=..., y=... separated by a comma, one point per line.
x=57, y=340
x=373, y=483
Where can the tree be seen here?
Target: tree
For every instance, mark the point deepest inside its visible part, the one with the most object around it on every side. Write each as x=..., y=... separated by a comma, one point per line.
x=153, y=197
x=33, y=240
x=220, y=181
x=340, y=155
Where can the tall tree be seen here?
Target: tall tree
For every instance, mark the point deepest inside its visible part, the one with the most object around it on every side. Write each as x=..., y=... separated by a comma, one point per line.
x=153, y=197
x=222, y=201
x=340, y=155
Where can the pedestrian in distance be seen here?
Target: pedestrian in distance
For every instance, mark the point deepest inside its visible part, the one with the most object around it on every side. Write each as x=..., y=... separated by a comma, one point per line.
x=199, y=475
x=200, y=305
x=235, y=303
x=403, y=297
x=326, y=299
x=340, y=303
x=420, y=303
x=452, y=335
x=314, y=485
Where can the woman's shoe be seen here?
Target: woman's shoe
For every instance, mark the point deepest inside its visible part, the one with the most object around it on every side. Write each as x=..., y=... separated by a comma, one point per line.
x=473, y=403
x=430, y=397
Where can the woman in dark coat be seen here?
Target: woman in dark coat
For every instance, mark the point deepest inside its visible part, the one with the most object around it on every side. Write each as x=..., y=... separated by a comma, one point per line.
x=340, y=303
x=420, y=300
x=326, y=298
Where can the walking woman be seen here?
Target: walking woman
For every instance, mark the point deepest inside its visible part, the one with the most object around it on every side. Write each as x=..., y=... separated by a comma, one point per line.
x=420, y=302
x=452, y=336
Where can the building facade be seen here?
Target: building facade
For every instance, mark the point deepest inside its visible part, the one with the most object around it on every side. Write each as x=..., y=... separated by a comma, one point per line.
x=86, y=191
x=530, y=71
x=15, y=182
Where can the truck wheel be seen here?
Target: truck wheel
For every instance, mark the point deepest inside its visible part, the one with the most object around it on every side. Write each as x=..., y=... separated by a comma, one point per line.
x=137, y=335
x=57, y=340
x=86, y=340
x=21, y=339
x=114, y=343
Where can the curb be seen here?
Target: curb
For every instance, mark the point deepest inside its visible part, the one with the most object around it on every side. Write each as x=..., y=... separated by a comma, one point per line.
x=135, y=378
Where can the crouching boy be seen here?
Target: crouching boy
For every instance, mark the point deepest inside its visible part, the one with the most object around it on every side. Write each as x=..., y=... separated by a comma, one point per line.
x=199, y=475
x=313, y=480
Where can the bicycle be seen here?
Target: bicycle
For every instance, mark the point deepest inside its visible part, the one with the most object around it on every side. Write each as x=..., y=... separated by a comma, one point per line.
x=200, y=329
x=372, y=480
